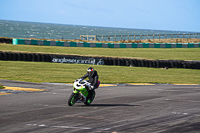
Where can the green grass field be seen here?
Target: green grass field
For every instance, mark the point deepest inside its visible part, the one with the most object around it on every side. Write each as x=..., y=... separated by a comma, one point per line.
x=146, y=53
x=66, y=73
x=1, y=86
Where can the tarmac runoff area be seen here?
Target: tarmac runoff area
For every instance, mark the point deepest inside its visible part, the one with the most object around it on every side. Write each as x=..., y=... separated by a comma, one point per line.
x=157, y=108
x=14, y=90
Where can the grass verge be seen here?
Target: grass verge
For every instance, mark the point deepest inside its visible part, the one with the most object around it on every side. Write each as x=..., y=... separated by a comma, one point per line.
x=67, y=73
x=145, y=53
x=1, y=86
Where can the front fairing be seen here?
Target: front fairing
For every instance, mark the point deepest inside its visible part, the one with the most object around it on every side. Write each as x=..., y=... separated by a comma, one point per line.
x=79, y=87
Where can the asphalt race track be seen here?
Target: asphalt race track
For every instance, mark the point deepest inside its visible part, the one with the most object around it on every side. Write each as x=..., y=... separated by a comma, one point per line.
x=116, y=109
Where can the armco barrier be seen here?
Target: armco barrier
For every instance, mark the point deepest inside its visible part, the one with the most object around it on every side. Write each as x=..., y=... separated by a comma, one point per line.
x=105, y=45
x=37, y=57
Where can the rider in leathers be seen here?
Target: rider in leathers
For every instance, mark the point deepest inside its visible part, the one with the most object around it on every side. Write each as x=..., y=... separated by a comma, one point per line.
x=93, y=79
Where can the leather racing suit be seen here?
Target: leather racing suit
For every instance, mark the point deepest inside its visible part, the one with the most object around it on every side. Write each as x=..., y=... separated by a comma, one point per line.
x=93, y=79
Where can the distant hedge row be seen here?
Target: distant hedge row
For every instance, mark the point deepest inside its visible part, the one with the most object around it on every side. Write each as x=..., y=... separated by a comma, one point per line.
x=38, y=57
x=6, y=40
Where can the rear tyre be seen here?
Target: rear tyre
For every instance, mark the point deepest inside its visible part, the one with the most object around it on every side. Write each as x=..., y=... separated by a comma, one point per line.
x=90, y=99
x=73, y=99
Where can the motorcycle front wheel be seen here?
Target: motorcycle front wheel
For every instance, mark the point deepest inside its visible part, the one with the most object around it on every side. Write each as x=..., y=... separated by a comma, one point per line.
x=73, y=99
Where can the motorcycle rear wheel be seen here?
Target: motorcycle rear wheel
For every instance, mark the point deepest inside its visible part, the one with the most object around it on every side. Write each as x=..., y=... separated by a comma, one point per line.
x=89, y=100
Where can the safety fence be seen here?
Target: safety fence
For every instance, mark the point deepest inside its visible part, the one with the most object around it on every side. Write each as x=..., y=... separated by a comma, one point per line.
x=104, y=45
x=94, y=60
x=139, y=37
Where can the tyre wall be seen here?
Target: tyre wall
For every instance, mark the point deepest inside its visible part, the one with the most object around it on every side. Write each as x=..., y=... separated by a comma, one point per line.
x=36, y=57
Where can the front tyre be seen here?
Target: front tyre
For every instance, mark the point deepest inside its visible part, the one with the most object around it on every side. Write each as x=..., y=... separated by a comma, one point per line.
x=90, y=98
x=73, y=99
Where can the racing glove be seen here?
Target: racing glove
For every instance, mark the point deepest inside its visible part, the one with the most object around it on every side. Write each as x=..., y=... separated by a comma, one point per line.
x=92, y=87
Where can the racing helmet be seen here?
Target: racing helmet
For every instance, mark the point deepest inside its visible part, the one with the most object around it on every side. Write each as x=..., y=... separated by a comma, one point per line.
x=90, y=71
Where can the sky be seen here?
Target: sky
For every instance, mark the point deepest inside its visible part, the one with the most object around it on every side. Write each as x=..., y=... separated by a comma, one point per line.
x=175, y=15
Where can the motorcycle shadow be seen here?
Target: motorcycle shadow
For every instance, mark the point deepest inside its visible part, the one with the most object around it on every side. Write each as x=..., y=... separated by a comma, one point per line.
x=111, y=105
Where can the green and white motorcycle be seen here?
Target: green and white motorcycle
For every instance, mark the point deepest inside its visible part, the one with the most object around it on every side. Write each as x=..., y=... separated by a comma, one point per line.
x=80, y=94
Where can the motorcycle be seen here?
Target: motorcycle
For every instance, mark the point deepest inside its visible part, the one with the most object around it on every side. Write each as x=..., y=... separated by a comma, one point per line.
x=80, y=93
